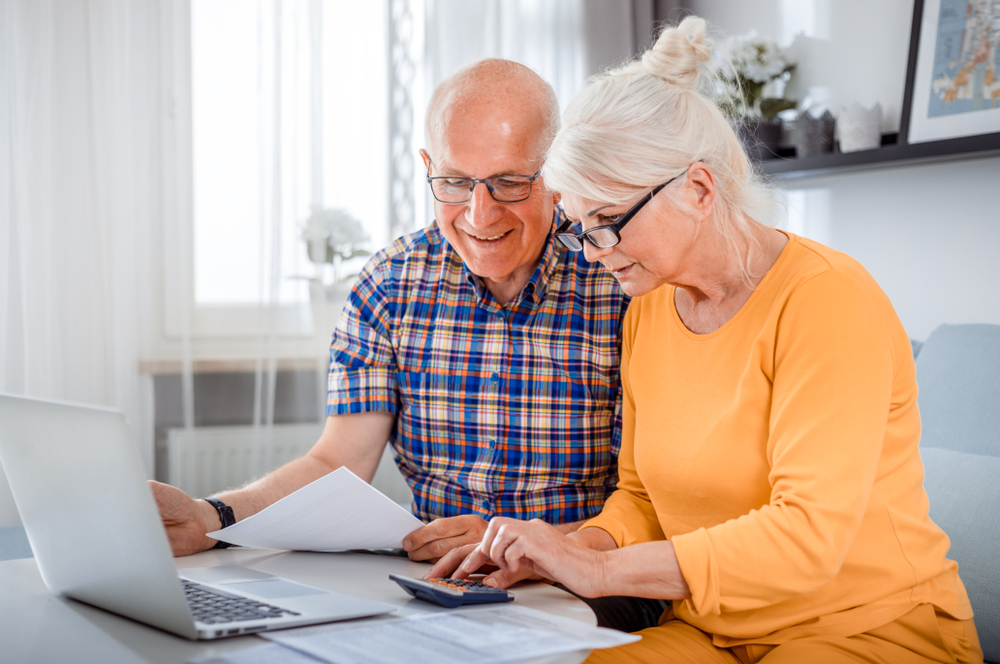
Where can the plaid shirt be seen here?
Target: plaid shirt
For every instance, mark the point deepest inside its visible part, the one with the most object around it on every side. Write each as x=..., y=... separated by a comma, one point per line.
x=500, y=411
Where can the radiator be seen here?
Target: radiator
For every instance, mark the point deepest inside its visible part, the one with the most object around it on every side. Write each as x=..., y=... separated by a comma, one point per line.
x=206, y=460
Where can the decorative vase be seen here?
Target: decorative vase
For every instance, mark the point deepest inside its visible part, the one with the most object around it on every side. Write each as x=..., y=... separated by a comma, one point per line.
x=812, y=136
x=860, y=128
x=760, y=137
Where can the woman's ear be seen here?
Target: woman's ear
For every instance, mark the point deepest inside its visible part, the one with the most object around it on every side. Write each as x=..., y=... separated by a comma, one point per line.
x=702, y=184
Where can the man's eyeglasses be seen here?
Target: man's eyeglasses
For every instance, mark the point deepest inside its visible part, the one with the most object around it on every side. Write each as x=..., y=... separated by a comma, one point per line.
x=503, y=188
x=604, y=237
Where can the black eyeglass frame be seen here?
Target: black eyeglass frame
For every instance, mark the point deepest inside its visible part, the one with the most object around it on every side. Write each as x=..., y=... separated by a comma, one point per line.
x=489, y=186
x=573, y=241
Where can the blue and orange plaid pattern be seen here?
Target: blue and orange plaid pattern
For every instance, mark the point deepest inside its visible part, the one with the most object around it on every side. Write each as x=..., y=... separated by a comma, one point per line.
x=509, y=411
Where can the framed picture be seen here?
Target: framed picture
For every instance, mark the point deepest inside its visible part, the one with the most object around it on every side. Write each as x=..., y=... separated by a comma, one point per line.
x=953, y=74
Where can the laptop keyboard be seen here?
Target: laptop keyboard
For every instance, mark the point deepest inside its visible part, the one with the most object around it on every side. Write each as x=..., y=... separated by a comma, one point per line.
x=212, y=606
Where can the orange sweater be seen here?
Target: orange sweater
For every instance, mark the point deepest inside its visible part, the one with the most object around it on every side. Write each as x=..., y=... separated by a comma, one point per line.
x=779, y=454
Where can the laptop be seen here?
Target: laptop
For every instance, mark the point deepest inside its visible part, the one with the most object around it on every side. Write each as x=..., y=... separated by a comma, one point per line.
x=97, y=537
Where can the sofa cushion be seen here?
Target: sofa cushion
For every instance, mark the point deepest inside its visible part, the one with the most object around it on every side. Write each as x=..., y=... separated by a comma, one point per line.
x=965, y=502
x=958, y=374
x=14, y=543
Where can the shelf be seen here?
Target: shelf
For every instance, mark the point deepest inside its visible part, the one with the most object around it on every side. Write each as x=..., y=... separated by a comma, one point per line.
x=890, y=155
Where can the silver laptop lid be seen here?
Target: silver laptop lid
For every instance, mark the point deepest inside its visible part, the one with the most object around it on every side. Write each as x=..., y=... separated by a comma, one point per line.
x=89, y=516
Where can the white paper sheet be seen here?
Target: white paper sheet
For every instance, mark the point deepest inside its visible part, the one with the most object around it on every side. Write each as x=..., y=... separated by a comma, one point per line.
x=494, y=635
x=336, y=512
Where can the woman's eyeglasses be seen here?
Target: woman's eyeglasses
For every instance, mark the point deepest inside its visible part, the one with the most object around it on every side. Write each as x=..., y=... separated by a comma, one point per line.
x=604, y=237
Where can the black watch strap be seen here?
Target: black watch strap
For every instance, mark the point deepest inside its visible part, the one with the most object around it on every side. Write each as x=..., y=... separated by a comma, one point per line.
x=226, y=516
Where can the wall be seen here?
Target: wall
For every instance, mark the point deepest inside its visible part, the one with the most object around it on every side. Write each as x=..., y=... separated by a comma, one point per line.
x=855, y=49
x=929, y=234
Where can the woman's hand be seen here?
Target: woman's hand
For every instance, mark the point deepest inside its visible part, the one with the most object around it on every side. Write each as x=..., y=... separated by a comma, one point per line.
x=523, y=548
x=450, y=562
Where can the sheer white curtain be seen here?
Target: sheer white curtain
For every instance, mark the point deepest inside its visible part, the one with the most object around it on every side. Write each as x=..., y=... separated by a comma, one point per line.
x=112, y=203
x=81, y=191
x=288, y=115
x=253, y=179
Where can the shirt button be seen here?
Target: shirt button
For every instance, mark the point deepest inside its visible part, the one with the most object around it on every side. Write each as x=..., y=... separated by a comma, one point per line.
x=493, y=444
x=495, y=377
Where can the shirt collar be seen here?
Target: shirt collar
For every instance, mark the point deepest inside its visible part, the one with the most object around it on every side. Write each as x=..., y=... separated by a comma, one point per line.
x=538, y=285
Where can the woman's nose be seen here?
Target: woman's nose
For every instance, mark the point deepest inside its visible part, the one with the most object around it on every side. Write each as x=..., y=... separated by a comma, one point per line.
x=593, y=254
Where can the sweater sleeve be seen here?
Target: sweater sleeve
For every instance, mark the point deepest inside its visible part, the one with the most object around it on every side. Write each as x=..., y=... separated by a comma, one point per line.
x=831, y=396
x=628, y=515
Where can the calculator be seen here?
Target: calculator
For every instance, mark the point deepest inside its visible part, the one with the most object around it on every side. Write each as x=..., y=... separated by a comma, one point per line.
x=452, y=592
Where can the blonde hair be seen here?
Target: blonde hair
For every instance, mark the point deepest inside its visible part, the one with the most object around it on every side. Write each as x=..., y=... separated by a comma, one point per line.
x=498, y=82
x=637, y=126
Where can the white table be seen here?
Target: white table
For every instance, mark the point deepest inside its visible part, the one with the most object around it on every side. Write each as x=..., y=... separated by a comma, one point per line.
x=37, y=627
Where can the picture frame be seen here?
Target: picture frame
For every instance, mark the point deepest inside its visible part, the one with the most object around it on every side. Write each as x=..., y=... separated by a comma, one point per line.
x=952, y=94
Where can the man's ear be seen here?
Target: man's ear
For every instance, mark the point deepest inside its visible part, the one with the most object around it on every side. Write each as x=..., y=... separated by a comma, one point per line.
x=556, y=197
x=427, y=159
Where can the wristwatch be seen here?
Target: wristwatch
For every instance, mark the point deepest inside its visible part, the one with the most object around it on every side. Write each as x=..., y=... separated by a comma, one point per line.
x=226, y=516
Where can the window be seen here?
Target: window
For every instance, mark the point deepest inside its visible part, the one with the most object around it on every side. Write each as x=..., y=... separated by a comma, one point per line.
x=288, y=114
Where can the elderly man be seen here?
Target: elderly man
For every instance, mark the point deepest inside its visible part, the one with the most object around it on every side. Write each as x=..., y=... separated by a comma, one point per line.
x=483, y=351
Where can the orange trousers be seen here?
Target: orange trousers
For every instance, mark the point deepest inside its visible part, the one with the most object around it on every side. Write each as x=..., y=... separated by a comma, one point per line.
x=922, y=636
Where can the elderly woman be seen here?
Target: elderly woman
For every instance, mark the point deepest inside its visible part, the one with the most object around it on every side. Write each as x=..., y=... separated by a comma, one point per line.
x=770, y=482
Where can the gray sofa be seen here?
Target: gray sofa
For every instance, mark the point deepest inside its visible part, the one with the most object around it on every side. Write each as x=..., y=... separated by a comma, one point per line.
x=958, y=374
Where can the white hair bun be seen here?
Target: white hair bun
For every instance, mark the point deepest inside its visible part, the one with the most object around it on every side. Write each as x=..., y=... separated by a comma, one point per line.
x=680, y=53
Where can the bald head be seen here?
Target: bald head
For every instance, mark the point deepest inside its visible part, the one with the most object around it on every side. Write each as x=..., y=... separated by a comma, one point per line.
x=501, y=87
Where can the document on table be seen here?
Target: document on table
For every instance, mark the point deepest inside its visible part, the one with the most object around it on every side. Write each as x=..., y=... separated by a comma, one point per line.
x=336, y=512
x=494, y=635
x=269, y=653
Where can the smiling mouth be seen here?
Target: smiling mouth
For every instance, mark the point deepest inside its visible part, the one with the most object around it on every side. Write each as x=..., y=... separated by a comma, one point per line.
x=491, y=238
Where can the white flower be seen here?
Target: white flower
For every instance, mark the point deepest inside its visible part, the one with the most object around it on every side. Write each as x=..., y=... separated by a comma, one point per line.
x=752, y=57
x=747, y=65
x=333, y=232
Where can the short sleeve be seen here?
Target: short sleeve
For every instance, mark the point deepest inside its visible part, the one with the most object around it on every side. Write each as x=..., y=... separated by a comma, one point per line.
x=362, y=376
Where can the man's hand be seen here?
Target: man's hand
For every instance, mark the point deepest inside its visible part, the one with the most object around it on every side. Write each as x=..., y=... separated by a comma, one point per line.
x=185, y=519
x=440, y=536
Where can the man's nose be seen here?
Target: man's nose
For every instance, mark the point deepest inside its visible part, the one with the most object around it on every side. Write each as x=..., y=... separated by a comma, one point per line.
x=482, y=210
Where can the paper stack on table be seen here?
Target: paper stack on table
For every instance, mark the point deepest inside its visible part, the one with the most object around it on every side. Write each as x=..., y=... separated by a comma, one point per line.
x=495, y=635
x=337, y=512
